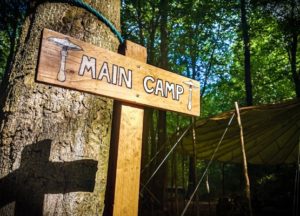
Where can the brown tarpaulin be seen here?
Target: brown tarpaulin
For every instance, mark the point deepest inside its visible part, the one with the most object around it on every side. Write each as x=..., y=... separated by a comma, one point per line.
x=271, y=134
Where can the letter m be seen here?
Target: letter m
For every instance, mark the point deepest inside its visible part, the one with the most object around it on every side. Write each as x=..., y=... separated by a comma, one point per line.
x=89, y=64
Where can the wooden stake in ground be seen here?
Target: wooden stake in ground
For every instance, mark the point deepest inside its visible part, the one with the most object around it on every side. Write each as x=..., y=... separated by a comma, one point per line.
x=125, y=152
x=245, y=166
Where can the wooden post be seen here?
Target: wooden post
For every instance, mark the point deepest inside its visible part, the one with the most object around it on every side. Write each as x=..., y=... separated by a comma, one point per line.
x=125, y=153
x=245, y=166
x=70, y=63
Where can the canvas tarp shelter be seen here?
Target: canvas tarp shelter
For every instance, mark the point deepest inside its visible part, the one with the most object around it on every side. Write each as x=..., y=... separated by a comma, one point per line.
x=271, y=134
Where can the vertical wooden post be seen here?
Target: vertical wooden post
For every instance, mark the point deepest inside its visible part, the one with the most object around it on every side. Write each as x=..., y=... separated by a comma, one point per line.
x=125, y=153
x=248, y=195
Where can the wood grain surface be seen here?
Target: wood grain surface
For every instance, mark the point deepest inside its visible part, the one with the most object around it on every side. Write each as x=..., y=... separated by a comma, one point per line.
x=96, y=70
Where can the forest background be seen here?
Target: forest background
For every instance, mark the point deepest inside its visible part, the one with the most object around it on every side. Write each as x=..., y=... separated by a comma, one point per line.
x=205, y=40
x=239, y=50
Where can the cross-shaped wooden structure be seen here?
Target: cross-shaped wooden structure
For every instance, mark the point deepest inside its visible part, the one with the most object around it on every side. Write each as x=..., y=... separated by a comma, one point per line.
x=70, y=63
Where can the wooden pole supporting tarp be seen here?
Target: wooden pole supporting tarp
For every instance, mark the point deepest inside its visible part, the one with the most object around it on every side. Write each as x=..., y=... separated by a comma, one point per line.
x=245, y=166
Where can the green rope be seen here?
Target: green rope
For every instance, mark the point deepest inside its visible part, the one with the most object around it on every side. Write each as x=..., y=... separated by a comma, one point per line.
x=92, y=10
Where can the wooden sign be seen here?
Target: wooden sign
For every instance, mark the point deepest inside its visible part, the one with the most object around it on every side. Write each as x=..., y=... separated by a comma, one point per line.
x=67, y=62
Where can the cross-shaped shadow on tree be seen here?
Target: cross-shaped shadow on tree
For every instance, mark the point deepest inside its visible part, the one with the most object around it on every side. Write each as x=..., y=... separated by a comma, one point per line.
x=37, y=176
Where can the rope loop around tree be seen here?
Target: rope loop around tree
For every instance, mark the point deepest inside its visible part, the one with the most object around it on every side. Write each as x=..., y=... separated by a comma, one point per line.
x=99, y=15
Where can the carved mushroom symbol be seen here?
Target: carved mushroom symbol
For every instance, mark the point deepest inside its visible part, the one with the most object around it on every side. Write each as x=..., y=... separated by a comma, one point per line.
x=66, y=45
x=191, y=86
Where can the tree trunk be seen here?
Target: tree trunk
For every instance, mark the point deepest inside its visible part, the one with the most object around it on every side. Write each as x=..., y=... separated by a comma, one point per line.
x=161, y=179
x=293, y=50
x=296, y=75
x=148, y=124
x=140, y=24
x=54, y=142
x=246, y=40
x=193, y=169
x=192, y=175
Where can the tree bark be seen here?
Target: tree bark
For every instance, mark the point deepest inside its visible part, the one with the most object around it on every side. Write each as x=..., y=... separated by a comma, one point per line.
x=148, y=143
x=246, y=41
x=54, y=142
x=192, y=175
x=161, y=179
x=296, y=75
x=293, y=50
x=140, y=24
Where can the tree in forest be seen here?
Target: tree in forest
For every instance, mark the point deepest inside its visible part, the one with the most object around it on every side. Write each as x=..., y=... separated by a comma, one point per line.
x=287, y=14
x=246, y=41
x=210, y=41
x=270, y=63
x=53, y=140
x=160, y=183
x=140, y=23
x=199, y=50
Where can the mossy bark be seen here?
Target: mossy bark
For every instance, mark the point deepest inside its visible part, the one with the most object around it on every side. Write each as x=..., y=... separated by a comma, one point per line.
x=76, y=126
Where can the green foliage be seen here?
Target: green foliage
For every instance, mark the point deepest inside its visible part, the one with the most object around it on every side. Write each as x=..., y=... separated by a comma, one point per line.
x=4, y=51
x=204, y=43
x=12, y=15
x=271, y=75
x=270, y=67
